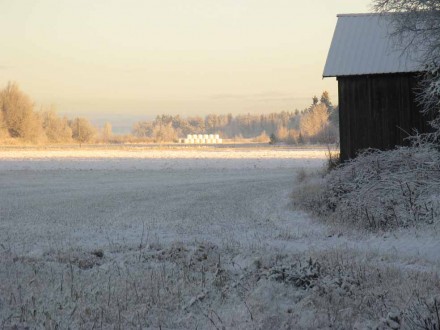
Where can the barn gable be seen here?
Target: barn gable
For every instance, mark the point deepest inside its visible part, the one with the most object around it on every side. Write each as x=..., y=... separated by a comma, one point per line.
x=376, y=85
x=362, y=45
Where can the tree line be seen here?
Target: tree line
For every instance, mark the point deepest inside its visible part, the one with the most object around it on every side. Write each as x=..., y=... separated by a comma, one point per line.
x=21, y=122
x=316, y=124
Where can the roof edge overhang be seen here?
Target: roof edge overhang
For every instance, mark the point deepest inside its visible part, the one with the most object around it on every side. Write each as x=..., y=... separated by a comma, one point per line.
x=375, y=74
x=366, y=14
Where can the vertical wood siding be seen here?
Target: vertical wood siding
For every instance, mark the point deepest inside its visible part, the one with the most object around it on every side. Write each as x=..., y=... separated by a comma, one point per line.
x=377, y=111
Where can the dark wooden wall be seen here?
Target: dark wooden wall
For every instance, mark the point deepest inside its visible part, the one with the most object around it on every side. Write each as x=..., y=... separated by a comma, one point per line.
x=377, y=111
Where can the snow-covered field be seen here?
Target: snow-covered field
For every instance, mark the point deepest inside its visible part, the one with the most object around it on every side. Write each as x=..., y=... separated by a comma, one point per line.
x=158, y=159
x=192, y=239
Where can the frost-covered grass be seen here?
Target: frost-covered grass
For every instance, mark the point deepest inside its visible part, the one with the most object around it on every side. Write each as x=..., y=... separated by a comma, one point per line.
x=153, y=158
x=207, y=246
x=379, y=190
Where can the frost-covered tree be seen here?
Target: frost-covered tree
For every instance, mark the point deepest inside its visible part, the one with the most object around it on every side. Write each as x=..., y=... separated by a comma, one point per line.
x=211, y=122
x=282, y=133
x=325, y=98
x=164, y=133
x=416, y=30
x=142, y=129
x=57, y=129
x=314, y=122
x=107, y=131
x=82, y=130
x=19, y=117
x=3, y=129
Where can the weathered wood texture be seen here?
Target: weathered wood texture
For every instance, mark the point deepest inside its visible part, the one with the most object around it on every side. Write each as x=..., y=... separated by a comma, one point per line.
x=377, y=111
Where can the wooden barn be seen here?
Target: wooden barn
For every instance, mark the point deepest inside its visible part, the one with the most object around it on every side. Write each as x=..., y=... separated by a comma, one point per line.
x=376, y=82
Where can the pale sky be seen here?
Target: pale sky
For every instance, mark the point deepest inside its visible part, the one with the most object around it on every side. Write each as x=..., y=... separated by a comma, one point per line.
x=123, y=60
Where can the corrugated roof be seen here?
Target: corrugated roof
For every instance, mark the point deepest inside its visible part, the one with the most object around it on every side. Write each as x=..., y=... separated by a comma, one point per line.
x=362, y=45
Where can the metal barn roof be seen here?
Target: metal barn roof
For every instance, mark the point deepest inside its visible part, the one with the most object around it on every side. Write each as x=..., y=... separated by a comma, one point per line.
x=362, y=45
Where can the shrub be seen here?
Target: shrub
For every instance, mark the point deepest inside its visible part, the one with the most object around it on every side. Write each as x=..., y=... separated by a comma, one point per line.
x=333, y=159
x=262, y=138
x=380, y=189
x=424, y=314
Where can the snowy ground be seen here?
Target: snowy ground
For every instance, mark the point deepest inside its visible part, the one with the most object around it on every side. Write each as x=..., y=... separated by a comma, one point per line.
x=178, y=239
x=159, y=159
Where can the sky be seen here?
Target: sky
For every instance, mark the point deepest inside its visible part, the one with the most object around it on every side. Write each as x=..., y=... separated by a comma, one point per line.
x=128, y=60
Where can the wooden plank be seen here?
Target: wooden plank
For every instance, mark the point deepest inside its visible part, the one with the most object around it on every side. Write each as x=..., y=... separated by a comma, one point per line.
x=344, y=127
x=378, y=111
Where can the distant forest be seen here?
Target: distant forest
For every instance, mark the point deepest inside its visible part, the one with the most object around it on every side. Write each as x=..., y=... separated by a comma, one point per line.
x=21, y=123
x=316, y=124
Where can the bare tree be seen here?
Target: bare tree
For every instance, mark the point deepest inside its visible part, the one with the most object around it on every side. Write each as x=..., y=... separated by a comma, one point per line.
x=416, y=30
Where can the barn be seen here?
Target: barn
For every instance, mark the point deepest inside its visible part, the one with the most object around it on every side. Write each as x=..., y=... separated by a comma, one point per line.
x=376, y=85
